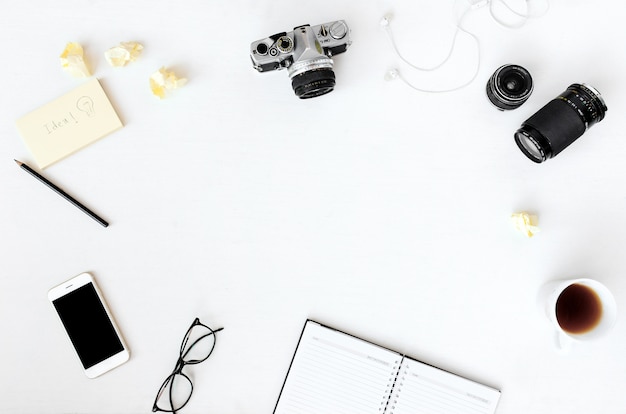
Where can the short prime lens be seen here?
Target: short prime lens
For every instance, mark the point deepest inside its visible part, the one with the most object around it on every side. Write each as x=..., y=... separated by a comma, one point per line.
x=509, y=87
x=313, y=83
x=560, y=122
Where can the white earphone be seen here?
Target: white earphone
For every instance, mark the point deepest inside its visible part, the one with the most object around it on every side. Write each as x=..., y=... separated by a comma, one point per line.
x=385, y=22
x=395, y=73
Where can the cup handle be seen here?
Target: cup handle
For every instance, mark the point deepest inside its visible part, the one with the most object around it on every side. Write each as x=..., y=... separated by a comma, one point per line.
x=563, y=342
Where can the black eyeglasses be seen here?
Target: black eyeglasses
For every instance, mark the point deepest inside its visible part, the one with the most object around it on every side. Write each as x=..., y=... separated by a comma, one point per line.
x=196, y=347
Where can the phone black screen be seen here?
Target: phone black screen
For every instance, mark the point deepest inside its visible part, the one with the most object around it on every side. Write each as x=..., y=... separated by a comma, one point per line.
x=88, y=325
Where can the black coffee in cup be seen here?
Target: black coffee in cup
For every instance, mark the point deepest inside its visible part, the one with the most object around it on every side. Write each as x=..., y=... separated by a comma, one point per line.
x=578, y=309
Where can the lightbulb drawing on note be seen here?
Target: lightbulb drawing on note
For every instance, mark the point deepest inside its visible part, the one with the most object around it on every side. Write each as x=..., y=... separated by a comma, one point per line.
x=85, y=104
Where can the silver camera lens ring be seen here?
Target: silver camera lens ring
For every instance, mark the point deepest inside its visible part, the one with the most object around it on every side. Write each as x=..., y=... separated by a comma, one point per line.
x=597, y=94
x=298, y=68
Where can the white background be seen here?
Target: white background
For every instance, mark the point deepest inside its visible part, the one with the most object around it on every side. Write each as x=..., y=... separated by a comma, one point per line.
x=374, y=209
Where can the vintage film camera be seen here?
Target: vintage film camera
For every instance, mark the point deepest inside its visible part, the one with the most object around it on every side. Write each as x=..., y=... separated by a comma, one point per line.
x=306, y=53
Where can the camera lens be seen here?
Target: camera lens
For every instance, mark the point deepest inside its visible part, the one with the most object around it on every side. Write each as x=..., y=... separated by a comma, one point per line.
x=560, y=122
x=313, y=83
x=509, y=87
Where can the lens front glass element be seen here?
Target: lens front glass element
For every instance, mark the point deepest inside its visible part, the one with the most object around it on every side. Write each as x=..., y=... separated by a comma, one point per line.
x=529, y=147
x=513, y=83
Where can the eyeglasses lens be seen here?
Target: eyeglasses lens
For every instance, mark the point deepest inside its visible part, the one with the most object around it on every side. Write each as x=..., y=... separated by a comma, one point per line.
x=197, y=345
x=174, y=393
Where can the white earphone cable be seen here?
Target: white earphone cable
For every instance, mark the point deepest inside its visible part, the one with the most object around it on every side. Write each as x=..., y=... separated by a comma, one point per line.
x=524, y=16
x=395, y=73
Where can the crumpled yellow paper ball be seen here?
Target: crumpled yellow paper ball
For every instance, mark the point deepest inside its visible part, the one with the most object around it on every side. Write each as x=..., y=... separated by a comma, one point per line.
x=125, y=52
x=73, y=61
x=163, y=80
x=525, y=223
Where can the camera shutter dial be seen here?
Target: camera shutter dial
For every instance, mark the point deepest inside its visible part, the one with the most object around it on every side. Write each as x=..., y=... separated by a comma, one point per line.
x=338, y=30
x=284, y=44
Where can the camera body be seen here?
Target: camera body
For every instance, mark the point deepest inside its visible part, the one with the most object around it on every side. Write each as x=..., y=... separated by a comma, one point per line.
x=306, y=54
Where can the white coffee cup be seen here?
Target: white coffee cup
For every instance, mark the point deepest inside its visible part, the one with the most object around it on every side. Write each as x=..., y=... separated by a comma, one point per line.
x=580, y=310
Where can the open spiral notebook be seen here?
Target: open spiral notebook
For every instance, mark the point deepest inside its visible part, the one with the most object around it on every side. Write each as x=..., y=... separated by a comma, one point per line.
x=335, y=372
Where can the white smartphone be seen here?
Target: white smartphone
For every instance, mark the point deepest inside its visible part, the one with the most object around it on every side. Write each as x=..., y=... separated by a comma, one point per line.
x=89, y=325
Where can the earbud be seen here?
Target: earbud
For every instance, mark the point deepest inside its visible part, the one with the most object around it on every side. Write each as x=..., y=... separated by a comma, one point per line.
x=384, y=22
x=392, y=74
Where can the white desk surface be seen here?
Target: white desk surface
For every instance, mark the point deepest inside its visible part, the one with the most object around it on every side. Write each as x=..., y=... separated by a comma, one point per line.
x=375, y=209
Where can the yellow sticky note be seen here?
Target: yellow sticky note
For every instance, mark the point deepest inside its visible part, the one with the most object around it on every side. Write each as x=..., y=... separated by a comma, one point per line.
x=69, y=123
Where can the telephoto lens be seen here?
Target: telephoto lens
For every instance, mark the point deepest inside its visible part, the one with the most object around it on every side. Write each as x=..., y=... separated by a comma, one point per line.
x=560, y=122
x=509, y=87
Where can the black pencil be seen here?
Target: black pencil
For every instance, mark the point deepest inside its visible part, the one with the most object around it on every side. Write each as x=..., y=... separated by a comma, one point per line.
x=61, y=193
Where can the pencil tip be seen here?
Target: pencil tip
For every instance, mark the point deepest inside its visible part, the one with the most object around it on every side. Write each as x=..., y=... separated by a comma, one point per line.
x=18, y=162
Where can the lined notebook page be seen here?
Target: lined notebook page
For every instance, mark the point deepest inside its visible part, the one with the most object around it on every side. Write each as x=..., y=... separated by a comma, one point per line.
x=422, y=389
x=335, y=373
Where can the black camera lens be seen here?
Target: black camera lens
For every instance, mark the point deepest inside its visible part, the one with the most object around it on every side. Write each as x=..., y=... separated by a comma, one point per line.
x=509, y=87
x=560, y=122
x=313, y=83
